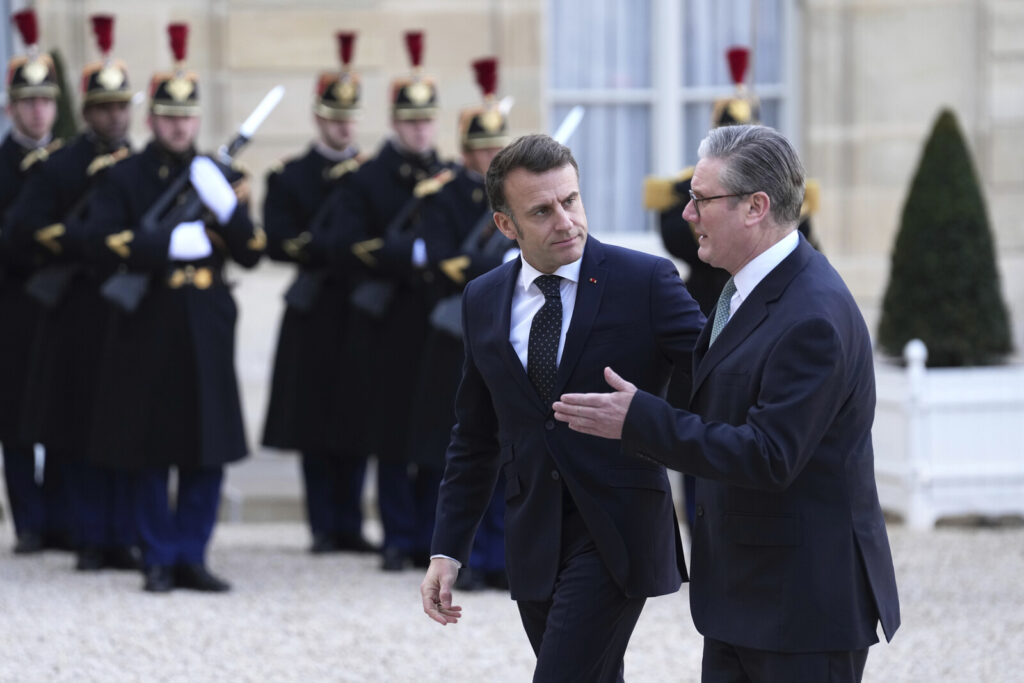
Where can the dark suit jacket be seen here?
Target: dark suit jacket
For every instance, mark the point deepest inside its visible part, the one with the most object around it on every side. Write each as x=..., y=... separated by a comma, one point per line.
x=790, y=551
x=633, y=313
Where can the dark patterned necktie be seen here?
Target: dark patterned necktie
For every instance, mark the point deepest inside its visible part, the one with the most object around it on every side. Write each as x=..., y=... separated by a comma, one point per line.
x=545, y=333
x=722, y=310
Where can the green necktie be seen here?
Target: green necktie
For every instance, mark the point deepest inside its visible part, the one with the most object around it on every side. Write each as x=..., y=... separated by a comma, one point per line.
x=722, y=310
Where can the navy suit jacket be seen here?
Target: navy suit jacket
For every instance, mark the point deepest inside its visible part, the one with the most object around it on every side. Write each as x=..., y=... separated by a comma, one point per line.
x=632, y=313
x=790, y=551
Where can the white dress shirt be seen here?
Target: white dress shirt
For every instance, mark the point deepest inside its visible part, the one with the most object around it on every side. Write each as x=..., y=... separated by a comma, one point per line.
x=527, y=300
x=759, y=267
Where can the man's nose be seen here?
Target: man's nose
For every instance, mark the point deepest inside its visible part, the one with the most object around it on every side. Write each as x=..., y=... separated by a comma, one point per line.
x=690, y=212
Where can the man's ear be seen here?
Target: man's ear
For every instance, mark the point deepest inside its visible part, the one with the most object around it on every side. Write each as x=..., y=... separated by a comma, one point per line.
x=504, y=223
x=760, y=207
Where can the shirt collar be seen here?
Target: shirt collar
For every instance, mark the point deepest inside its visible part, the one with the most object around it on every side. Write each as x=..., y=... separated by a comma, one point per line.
x=570, y=271
x=765, y=262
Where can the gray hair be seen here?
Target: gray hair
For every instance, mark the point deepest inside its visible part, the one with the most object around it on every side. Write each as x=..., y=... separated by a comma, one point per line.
x=759, y=159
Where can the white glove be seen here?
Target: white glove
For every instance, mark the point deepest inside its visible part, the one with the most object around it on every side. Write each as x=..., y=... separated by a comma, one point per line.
x=213, y=188
x=419, y=253
x=189, y=242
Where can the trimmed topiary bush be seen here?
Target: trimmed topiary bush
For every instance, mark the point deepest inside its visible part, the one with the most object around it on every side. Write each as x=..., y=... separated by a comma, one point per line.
x=944, y=285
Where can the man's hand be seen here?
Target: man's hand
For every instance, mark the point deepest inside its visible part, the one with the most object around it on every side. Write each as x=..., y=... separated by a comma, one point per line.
x=436, y=591
x=598, y=414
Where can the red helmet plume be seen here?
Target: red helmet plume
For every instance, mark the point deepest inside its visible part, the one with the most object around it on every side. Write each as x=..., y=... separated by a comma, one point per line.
x=25, y=20
x=103, y=27
x=179, y=40
x=414, y=45
x=739, y=58
x=487, y=75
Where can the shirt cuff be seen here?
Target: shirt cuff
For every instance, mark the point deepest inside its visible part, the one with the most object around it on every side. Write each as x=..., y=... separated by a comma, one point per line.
x=458, y=564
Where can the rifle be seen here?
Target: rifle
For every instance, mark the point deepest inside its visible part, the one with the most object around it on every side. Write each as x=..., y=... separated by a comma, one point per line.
x=302, y=293
x=126, y=289
x=49, y=284
x=373, y=296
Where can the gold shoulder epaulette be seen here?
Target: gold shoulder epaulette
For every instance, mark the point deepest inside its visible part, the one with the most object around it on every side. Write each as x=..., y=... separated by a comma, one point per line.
x=433, y=184
x=49, y=235
x=812, y=198
x=343, y=167
x=105, y=161
x=660, y=193
x=41, y=154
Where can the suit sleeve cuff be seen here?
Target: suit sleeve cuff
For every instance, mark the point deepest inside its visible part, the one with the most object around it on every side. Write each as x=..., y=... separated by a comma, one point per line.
x=458, y=565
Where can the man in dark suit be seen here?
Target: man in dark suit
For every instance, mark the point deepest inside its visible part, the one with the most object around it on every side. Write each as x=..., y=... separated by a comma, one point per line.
x=590, y=533
x=791, y=569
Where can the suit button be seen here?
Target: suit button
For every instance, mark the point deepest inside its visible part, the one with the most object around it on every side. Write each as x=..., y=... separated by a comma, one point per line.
x=700, y=510
x=549, y=425
x=555, y=475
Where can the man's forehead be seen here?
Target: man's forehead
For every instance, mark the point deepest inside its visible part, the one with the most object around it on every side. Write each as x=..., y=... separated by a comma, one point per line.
x=556, y=183
x=706, y=174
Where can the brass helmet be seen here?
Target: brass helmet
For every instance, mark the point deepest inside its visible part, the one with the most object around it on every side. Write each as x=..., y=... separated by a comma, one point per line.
x=485, y=126
x=175, y=93
x=31, y=74
x=337, y=92
x=742, y=107
x=105, y=80
x=415, y=97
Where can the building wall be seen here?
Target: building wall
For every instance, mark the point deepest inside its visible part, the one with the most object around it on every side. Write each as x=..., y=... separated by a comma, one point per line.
x=242, y=48
x=875, y=75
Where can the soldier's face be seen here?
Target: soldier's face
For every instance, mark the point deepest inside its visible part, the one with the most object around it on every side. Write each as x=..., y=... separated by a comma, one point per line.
x=546, y=216
x=109, y=120
x=417, y=135
x=176, y=134
x=479, y=160
x=337, y=135
x=33, y=116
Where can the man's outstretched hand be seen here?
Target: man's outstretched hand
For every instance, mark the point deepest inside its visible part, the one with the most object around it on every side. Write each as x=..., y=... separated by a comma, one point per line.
x=598, y=414
x=436, y=591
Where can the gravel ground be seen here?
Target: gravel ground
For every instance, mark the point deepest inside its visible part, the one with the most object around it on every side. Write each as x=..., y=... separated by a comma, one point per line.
x=293, y=617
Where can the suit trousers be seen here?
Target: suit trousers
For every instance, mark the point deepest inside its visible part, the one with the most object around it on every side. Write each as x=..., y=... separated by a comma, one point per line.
x=177, y=536
x=581, y=632
x=334, y=493
x=725, y=663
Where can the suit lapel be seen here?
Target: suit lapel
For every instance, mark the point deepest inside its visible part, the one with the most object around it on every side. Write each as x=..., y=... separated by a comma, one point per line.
x=748, y=316
x=589, y=290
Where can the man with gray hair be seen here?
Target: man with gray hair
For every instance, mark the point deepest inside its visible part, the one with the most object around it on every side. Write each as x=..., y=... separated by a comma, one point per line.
x=791, y=568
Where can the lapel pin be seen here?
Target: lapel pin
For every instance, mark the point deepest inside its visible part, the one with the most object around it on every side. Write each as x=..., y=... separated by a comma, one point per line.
x=593, y=281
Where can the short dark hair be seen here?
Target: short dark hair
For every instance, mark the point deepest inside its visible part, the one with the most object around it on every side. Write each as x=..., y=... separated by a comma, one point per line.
x=533, y=153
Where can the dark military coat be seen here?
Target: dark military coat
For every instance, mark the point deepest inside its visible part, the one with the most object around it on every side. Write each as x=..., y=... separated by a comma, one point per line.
x=168, y=394
x=49, y=218
x=310, y=397
x=386, y=350
x=19, y=314
x=448, y=219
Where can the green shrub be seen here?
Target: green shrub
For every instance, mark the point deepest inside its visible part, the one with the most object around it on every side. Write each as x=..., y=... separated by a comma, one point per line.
x=944, y=284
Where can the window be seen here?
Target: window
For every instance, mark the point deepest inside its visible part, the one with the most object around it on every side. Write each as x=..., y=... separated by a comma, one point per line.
x=648, y=73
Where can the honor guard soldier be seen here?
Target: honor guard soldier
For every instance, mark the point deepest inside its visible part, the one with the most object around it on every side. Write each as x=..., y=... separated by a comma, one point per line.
x=169, y=219
x=390, y=298
x=310, y=406
x=39, y=507
x=669, y=196
x=51, y=214
x=464, y=243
